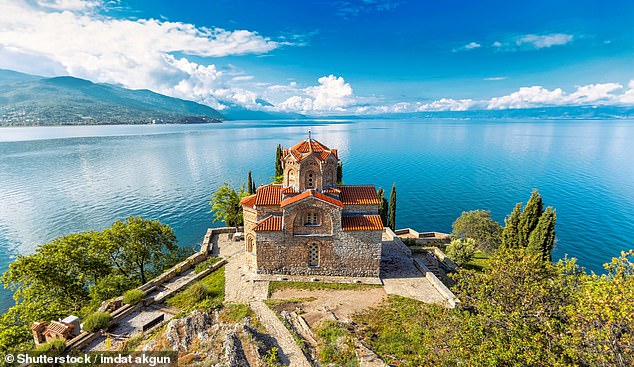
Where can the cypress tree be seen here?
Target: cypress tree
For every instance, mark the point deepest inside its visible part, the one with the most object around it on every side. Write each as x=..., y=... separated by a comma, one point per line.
x=542, y=239
x=392, y=217
x=510, y=233
x=530, y=217
x=339, y=172
x=279, y=171
x=250, y=184
x=254, y=188
x=382, y=205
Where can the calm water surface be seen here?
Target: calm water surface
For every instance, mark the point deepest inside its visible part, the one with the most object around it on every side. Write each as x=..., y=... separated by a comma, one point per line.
x=58, y=180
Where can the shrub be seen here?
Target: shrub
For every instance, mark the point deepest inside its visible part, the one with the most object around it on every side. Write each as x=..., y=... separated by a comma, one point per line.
x=53, y=348
x=97, y=321
x=133, y=296
x=461, y=250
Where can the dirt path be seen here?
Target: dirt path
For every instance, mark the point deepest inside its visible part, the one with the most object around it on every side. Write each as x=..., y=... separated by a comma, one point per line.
x=291, y=354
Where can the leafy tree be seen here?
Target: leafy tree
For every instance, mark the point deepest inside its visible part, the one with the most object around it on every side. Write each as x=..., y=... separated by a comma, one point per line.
x=383, y=205
x=530, y=217
x=110, y=286
x=339, y=173
x=140, y=248
x=279, y=171
x=542, y=238
x=478, y=225
x=250, y=184
x=601, y=318
x=510, y=234
x=392, y=217
x=225, y=204
x=461, y=250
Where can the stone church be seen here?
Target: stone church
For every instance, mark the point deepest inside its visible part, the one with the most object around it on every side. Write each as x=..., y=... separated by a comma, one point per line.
x=309, y=224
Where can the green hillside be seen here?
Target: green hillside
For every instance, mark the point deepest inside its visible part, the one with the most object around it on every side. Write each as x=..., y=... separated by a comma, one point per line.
x=27, y=100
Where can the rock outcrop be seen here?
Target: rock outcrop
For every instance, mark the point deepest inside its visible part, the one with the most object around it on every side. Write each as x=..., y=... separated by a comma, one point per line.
x=181, y=333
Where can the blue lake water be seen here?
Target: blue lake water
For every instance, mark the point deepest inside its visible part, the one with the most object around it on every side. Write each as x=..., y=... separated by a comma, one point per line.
x=58, y=180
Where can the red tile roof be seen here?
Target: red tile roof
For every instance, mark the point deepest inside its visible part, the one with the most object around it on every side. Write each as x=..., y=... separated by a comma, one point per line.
x=309, y=193
x=304, y=148
x=332, y=190
x=248, y=201
x=58, y=328
x=269, y=195
x=359, y=195
x=362, y=223
x=270, y=223
x=289, y=190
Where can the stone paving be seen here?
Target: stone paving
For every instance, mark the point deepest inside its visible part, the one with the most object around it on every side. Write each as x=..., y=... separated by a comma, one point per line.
x=402, y=278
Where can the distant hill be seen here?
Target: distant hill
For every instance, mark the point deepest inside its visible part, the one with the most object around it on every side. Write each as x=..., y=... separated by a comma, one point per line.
x=29, y=100
x=543, y=113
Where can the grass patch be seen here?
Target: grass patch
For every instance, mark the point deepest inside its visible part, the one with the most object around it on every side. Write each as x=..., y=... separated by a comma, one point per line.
x=404, y=331
x=336, y=344
x=205, y=294
x=133, y=296
x=97, y=321
x=479, y=262
x=314, y=286
x=206, y=264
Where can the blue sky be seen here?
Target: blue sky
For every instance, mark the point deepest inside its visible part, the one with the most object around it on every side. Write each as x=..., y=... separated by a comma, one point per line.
x=329, y=57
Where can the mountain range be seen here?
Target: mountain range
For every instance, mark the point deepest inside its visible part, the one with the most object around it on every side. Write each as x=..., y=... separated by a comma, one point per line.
x=29, y=100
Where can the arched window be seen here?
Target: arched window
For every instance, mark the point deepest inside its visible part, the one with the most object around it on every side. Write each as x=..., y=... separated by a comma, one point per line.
x=249, y=244
x=312, y=219
x=313, y=255
x=291, y=178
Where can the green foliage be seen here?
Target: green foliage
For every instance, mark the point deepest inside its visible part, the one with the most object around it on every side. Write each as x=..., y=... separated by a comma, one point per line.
x=392, y=215
x=479, y=262
x=53, y=348
x=383, y=205
x=133, y=296
x=478, y=225
x=279, y=171
x=272, y=358
x=250, y=185
x=510, y=234
x=97, y=321
x=236, y=312
x=336, y=344
x=205, y=294
x=542, y=239
x=110, y=286
x=206, y=264
x=225, y=204
x=339, y=173
x=461, y=250
x=72, y=274
x=140, y=248
x=530, y=217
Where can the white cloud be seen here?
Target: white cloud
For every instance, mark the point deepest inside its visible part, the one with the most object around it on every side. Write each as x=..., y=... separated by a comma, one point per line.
x=447, y=104
x=242, y=78
x=332, y=94
x=495, y=78
x=526, y=97
x=544, y=41
x=71, y=5
x=133, y=53
x=496, y=44
x=469, y=46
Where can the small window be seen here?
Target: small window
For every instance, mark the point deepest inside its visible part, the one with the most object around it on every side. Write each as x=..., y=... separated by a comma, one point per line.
x=313, y=255
x=310, y=180
x=312, y=219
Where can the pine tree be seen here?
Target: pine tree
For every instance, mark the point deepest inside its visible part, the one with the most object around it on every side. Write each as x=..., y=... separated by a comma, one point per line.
x=382, y=205
x=510, y=233
x=254, y=188
x=339, y=173
x=542, y=239
x=530, y=217
x=392, y=217
x=279, y=171
x=250, y=184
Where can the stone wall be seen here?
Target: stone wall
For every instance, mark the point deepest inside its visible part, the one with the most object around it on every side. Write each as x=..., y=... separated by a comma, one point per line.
x=361, y=209
x=341, y=253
